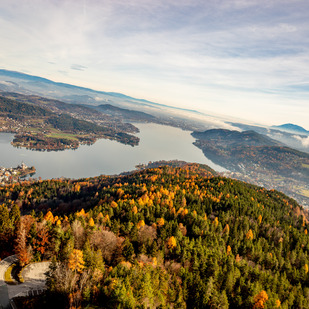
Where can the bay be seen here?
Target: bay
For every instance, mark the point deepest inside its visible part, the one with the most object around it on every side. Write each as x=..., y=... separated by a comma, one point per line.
x=157, y=142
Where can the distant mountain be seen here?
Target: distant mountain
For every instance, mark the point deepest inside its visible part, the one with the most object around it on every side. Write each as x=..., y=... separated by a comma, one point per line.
x=291, y=128
x=13, y=81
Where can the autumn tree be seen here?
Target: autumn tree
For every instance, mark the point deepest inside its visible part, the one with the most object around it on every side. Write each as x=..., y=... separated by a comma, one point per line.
x=171, y=242
x=260, y=299
x=76, y=261
x=21, y=248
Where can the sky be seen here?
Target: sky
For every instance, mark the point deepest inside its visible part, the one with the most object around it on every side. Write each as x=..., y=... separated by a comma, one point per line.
x=241, y=58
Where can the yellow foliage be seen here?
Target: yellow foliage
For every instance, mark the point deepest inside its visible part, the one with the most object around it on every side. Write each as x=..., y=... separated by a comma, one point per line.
x=81, y=213
x=260, y=300
x=76, y=261
x=58, y=222
x=226, y=229
x=114, y=204
x=306, y=268
x=91, y=222
x=140, y=224
x=134, y=209
x=132, y=202
x=49, y=217
x=228, y=250
x=171, y=242
x=120, y=192
x=278, y=303
x=154, y=261
x=216, y=222
x=249, y=235
x=106, y=219
x=259, y=219
x=160, y=222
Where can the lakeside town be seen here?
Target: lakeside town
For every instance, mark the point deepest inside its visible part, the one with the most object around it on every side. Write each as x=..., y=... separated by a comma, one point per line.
x=13, y=174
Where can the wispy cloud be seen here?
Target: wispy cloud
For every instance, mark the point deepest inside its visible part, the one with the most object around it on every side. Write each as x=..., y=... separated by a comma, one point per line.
x=78, y=67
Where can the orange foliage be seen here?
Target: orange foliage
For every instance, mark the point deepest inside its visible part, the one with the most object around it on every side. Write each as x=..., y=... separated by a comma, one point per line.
x=249, y=235
x=260, y=300
x=171, y=242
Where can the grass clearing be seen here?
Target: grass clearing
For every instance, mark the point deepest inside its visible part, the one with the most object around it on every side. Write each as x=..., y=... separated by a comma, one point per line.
x=63, y=135
x=305, y=165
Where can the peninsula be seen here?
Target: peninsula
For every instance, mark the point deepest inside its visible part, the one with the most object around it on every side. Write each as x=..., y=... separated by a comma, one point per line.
x=11, y=175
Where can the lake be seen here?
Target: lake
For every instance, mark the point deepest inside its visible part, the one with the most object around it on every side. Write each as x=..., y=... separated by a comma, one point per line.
x=157, y=142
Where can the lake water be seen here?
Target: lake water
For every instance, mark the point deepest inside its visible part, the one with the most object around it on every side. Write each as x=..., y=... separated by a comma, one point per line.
x=157, y=142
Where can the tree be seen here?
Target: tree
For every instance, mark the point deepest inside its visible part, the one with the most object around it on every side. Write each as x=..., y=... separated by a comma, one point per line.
x=91, y=222
x=22, y=250
x=160, y=222
x=260, y=300
x=249, y=235
x=76, y=261
x=171, y=242
x=128, y=250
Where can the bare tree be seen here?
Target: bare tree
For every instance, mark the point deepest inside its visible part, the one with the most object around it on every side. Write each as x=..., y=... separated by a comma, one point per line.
x=147, y=234
x=106, y=241
x=79, y=234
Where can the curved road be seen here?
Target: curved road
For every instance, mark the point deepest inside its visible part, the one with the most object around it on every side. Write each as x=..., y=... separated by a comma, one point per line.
x=34, y=275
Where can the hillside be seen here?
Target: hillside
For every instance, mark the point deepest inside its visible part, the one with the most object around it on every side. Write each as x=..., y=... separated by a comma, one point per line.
x=166, y=237
x=256, y=158
x=227, y=138
x=18, y=110
x=43, y=124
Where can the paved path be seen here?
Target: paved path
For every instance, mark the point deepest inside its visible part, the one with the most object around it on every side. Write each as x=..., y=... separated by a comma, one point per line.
x=34, y=276
x=4, y=293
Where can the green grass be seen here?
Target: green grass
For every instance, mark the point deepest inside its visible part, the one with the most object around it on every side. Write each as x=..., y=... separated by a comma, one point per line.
x=7, y=276
x=63, y=135
x=305, y=165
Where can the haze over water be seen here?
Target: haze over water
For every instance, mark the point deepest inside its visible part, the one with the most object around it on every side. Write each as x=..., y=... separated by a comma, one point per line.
x=157, y=142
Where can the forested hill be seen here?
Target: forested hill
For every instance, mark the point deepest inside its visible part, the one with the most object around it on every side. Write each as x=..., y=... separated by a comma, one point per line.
x=12, y=108
x=165, y=237
x=228, y=138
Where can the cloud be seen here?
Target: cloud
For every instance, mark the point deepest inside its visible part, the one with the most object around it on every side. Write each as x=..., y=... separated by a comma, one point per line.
x=78, y=67
x=303, y=140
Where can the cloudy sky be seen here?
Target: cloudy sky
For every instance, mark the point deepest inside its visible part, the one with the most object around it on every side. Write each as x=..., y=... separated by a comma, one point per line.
x=243, y=58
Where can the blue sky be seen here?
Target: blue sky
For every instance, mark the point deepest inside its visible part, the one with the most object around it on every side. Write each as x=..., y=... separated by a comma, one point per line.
x=246, y=59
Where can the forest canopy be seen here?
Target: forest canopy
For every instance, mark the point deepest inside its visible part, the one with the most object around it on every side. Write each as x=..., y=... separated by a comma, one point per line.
x=164, y=237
